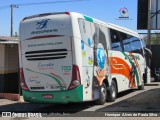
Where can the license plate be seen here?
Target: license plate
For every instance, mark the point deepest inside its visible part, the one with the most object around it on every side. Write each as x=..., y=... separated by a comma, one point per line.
x=47, y=96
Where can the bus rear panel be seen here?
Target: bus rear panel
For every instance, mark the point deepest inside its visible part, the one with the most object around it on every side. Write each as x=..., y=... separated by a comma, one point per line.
x=48, y=74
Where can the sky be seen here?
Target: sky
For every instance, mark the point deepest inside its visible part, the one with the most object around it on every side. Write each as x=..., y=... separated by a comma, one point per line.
x=104, y=10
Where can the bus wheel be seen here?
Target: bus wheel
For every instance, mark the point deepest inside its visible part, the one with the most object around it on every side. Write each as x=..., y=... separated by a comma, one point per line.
x=103, y=95
x=112, y=92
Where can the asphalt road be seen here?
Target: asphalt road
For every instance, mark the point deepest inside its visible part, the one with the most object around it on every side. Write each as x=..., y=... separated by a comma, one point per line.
x=132, y=101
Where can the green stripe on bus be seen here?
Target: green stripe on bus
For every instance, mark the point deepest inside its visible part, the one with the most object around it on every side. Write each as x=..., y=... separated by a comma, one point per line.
x=65, y=96
x=88, y=18
x=135, y=71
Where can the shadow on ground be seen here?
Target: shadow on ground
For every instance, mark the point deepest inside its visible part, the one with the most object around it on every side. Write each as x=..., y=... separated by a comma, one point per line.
x=60, y=108
x=148, y=101
x=44, y=108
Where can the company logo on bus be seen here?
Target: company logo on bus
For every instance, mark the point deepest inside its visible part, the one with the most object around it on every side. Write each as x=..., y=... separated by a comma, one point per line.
x=41, y=27
x=42, y=24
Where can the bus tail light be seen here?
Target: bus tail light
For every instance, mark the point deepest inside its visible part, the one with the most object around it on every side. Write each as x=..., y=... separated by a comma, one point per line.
x=68, y=13
x=22, y=81
x=76, y=80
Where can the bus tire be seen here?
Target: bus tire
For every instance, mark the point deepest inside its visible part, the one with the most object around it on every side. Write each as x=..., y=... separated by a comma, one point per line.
x=103, y=95
x=112, y=92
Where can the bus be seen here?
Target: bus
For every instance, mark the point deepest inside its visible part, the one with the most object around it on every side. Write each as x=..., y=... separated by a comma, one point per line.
x=70, y=57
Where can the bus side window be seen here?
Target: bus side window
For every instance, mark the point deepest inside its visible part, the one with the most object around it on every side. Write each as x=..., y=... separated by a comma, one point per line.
x=126, y=42
x=132, y=44
x=136, y=44
x=116, y=40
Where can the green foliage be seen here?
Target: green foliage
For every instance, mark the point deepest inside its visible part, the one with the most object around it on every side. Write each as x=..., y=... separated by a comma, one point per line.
x=155, y=38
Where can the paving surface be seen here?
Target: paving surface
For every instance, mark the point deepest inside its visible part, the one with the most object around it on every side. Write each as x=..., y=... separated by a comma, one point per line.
x=144, y=101
x=147, y=101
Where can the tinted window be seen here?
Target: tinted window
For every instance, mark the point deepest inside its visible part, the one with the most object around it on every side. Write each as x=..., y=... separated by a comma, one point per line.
x=132, y=44
x=143, y=43
x=125, y=42
x=116, y=40
x=135, y=44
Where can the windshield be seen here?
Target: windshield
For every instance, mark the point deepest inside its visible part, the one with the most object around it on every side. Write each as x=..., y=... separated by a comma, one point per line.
x=132, y=44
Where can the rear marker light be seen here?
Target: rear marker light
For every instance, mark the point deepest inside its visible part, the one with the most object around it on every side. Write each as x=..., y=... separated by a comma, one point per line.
x=76, y=80
x=22, y=81
x=67, y=13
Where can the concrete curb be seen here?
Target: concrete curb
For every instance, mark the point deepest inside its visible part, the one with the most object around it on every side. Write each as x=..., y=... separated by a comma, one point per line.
x=10, y=96
x=153, y=84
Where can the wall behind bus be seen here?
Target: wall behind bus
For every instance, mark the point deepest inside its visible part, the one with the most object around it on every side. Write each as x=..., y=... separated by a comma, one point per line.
x=2, y=48
x=9, y=68
x=155, y=61
x=11, y=58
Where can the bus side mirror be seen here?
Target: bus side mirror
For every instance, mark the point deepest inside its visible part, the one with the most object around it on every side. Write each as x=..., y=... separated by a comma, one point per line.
x=148, y=52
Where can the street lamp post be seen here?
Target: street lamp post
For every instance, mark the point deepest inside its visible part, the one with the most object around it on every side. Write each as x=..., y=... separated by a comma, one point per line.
x=12, y=6
x=148, y=41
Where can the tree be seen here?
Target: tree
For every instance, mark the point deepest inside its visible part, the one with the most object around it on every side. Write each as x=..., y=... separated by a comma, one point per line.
x=155, y=38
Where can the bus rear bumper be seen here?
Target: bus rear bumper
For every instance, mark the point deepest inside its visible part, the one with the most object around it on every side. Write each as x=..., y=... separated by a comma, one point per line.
x=75, y=95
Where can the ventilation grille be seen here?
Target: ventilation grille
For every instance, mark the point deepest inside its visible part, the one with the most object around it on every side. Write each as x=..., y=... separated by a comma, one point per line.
x=46, y=54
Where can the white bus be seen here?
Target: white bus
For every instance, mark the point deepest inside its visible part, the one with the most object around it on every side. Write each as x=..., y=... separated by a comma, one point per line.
x=70, y=57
